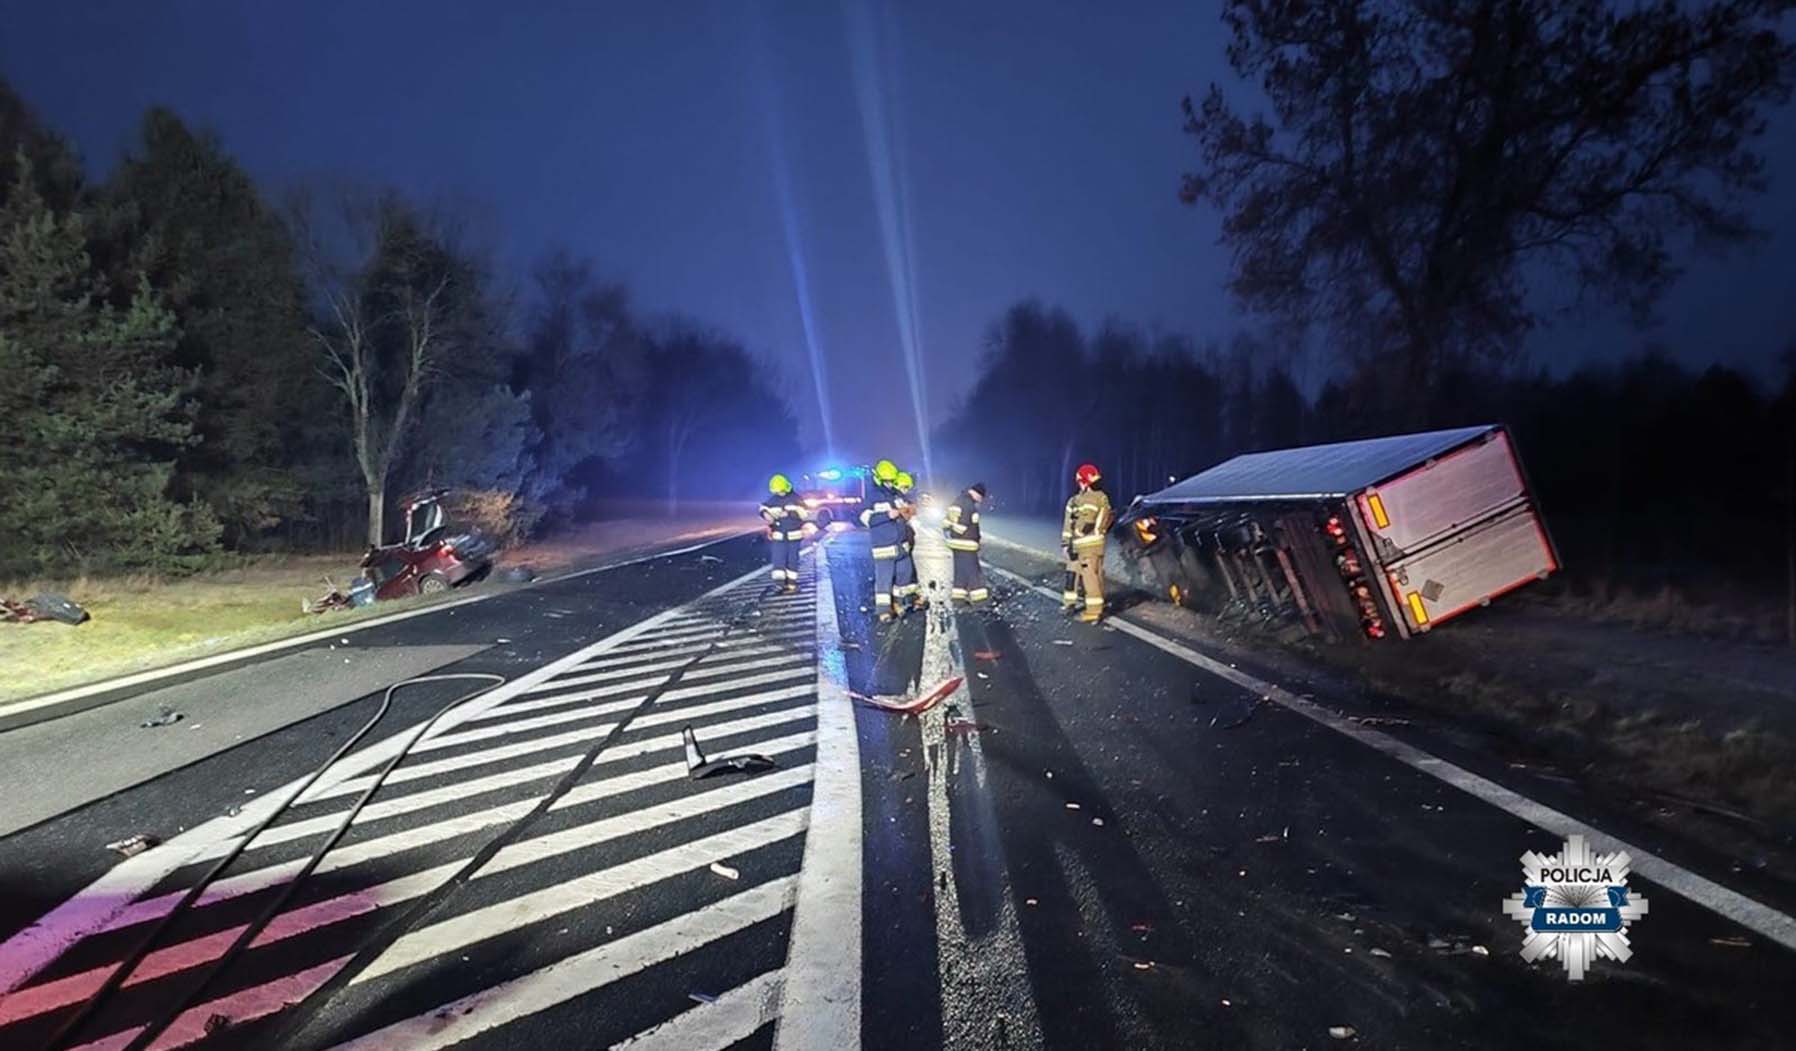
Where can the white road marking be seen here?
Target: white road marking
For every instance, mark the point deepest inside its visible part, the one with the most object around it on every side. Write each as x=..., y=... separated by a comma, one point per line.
x=172, y=959
x=368, y=850
x=820, y=1004
x=459, y=932
x=31, y=949
x=994, y=963
x=580, y=974
x=248, y=1005
x=1753, y=915
x=748, y=658
x=727, y=1020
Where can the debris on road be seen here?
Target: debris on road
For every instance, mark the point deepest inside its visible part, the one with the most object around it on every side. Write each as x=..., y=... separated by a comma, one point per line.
x=1381, y=954
x=725, y=871
x=698, y=767
x=1342, y=1032
x=985, y=655
x=517, y=574
x=1063, y=642
x=169, y=717
x=1735, y=942
x=215, y=1022
x=1098, y=821
x=702, y=998
x=710, y=558
x=134, y=845
x=1239, y=715
x=1144, y=965
x=1072, y=806
x=1031, y=902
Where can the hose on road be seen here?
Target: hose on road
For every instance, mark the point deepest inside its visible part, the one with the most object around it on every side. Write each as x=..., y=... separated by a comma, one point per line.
x=70, y=1028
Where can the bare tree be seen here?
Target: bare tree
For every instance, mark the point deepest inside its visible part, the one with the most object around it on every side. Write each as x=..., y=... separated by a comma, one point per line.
x=388, y=306
x=1425, y=159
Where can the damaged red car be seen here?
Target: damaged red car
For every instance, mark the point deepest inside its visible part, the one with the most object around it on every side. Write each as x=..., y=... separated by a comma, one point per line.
x=435, y=555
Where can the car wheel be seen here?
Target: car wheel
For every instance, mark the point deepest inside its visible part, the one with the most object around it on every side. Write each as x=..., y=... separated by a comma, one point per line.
x=433, y=584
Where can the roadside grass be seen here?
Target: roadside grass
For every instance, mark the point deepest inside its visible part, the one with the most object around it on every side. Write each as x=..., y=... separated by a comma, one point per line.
x=142, y=621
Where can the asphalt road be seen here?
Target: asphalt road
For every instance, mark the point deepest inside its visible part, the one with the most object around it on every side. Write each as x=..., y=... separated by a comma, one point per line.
x=1092, y=842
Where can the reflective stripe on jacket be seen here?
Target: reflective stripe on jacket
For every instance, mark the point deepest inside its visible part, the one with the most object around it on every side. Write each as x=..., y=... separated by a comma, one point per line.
x=786, y=516
x=960, y=524
x=1087, y=517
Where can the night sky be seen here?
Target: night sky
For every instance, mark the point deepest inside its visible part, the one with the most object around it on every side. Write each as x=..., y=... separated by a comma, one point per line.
x=697, y=150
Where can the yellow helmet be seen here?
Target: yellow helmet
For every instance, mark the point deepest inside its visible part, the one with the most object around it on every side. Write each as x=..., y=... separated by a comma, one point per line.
x=885, y=471
x=904, y=481
x=779, y=485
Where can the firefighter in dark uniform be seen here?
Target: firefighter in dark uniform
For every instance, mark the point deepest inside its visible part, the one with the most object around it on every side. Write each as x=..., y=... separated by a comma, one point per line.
x=960, y=523
x=785, y=515
x=1082, y=532
x=906, y=590
x=884, y=519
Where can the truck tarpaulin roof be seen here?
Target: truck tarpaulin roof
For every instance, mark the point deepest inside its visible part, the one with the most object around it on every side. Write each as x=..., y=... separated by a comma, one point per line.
x=1314, y=471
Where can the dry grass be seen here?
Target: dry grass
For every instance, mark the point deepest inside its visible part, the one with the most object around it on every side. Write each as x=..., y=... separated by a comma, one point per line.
x=142, y=621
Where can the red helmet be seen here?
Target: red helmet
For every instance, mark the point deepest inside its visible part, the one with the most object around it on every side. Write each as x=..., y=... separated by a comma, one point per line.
x=1087, y=474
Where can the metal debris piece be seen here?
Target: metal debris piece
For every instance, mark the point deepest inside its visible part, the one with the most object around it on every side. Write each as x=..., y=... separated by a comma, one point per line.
x=1479, y=950
x=1072, y=806
x=985, y=655
x=725, y=871
x=169, y=717
x=698, y=767
x=1342, y=1032
x=134, y=845
x=916, y=706
x=1098, y=821
x=1734, y=942
x=1381, y=954
x=215, y=1022
x=1031, y=902
x=1063, y=642
x=703, y=998
x=710, y=558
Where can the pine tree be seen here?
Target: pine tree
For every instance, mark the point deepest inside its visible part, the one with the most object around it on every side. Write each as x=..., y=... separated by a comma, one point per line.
x=97, y=411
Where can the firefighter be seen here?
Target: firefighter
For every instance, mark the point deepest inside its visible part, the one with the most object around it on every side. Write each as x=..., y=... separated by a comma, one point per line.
x=884, y=519
x=960, y=523
x=906, y=591
x=1082, y=532
x=785, y=515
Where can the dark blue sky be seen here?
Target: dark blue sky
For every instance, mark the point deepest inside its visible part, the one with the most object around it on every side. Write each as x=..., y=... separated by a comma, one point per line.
x=1035, y=148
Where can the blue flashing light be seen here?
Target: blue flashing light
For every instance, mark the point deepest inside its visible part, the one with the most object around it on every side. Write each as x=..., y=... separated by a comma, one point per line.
x=830, y=475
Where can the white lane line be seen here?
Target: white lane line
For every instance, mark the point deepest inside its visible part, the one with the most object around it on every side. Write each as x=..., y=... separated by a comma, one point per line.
x=580, y=974
x=246, y=1006
x=995, y=962
x=602, y=678
x=415, y=801
x=1753, y=915
x=777, y=621
x=617, y=753
x=538, y=722
x=792, y=630
x=643, y=685
x=820, y=1005
x=384, y=846
x=195, y=952
x=731, y=1018
x=627, y=656
x=457, y=933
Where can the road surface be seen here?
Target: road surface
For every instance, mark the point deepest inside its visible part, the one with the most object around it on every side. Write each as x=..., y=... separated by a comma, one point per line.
x=1102, y=838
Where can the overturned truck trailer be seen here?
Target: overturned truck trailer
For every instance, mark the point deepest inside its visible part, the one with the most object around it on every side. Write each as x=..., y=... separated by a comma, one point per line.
x=1377, y=538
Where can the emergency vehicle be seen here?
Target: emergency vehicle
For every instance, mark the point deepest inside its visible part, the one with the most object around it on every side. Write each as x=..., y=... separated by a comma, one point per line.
x=836, y=494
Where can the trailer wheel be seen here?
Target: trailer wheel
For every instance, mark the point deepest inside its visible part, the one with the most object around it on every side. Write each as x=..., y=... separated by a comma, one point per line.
x=433, y=584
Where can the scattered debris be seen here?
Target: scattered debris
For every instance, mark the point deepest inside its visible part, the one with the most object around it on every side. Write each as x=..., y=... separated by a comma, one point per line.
x=1378, y=720
x=215, y=1022
x=1270, y=837
x=1479, y=950
x=1098, y=821
x=1734, y=942
x=134, y=845
x=1437, y=944
x=849, y=644
x=169, y=717
x=1144, y=965
x=1239, y=714
x=985, y=655
x=43, y=606
x=1381, y=954
x=698, y=767
x=1031, y=902
x=1072, y=806
x=1063, y=642
x=1342, y=1032
x=982, y=675
x=502, y=642
x=725, y=871
x=703, y=998
x=517, y=574
x=710, y=558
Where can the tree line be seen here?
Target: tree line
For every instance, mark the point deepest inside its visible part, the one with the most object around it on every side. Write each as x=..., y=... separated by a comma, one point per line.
x=1650, y=473
x=190, y=365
